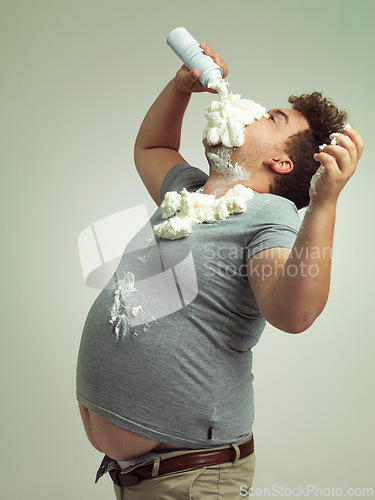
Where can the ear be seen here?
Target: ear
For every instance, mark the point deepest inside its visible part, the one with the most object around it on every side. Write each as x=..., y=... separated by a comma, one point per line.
x=281, y=165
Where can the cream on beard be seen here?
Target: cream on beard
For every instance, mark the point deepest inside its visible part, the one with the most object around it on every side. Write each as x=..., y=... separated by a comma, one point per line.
x=220, y=162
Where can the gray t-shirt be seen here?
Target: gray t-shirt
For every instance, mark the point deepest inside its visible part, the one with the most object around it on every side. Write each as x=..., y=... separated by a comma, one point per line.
x=180, y=369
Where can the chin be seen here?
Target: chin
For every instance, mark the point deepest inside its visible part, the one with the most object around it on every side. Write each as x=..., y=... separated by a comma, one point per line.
x=209, y=148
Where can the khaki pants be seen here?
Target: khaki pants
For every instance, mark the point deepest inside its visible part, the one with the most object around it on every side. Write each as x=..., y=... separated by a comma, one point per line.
x=207, y=483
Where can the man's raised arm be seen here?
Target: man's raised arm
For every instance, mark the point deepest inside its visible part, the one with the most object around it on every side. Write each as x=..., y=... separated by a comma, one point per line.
x=293, y=288
x=157, y=145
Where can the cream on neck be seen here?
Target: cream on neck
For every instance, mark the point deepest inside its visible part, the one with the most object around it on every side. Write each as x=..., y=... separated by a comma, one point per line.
x=220, y=162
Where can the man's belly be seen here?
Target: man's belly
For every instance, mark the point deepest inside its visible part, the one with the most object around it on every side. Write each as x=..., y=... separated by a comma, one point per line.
x=114, y=441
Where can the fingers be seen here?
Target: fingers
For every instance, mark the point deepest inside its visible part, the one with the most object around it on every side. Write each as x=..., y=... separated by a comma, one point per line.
x=356, y=138
x=193, y=75
x=338, y=163
x=187, y=80
x=329, y=167
x=215, y=56
x=344, y=154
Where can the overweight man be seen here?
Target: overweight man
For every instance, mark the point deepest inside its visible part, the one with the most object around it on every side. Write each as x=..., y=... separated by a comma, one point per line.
x=168, y=399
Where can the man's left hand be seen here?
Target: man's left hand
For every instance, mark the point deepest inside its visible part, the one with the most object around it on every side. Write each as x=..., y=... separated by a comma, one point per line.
x=338, y=164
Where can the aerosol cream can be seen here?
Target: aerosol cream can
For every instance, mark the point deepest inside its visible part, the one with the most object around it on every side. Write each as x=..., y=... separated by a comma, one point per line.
x=188, y=50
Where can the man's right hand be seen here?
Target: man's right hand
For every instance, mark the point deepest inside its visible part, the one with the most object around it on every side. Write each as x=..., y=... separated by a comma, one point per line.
x=186, y=81
x=157, y=146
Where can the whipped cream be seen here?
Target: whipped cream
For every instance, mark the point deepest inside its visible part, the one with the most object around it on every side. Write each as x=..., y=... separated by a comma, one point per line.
x=118, y=317
x=220, y=162
x=228, y=117
x=136, y=310
x=185, y=210
x=314, y=179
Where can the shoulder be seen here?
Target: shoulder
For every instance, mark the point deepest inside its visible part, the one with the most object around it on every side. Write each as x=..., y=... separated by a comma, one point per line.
x=272, y=208
x=272, y=221
x=182, y=176
x=262, y=200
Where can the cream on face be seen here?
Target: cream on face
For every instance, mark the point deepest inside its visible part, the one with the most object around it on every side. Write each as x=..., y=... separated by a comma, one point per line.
x=226, y=122
x=228, y=117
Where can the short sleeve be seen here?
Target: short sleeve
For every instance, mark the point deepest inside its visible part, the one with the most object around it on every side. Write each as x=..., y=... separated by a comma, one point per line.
x=276, y=224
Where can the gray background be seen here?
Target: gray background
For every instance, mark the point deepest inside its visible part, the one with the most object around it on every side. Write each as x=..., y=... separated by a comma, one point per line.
x=76, y=80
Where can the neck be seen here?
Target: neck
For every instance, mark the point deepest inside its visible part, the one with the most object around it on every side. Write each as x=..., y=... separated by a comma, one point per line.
x=226, y=172
x=218, y=183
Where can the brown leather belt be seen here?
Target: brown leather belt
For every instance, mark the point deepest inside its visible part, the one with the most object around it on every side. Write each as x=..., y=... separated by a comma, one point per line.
x=182, y=462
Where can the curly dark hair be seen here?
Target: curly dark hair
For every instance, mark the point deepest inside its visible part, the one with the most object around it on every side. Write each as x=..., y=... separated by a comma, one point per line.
x=324, y=118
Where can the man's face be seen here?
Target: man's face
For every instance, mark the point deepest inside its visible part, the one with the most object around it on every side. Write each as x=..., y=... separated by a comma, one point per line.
x=266, y=138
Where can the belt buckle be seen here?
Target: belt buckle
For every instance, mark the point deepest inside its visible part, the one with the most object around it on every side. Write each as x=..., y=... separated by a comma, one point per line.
x=123, y=478
x=129, y=479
